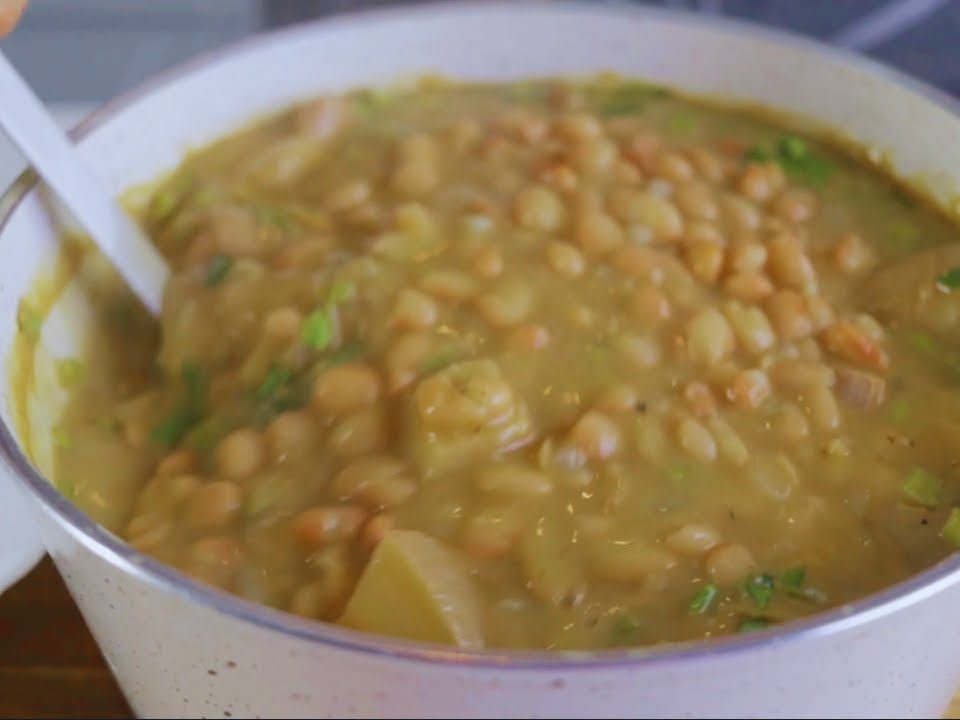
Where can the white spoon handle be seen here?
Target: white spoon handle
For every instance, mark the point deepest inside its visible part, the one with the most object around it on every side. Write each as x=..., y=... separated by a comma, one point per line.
x=30, y=127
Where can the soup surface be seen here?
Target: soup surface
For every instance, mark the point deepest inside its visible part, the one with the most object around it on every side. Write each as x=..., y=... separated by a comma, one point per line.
x=544, y=365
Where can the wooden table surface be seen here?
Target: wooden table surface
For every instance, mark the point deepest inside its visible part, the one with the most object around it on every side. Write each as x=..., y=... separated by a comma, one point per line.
x=50, y=666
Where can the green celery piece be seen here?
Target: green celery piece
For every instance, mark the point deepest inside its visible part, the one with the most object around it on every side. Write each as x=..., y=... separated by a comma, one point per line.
x=922, y=488
x=951, y=528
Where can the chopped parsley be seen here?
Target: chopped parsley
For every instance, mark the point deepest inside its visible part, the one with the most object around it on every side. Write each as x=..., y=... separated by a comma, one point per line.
x=759, y=588
x=630, y=98
x=752, y=624
x=623, y=630
x=187, y=412
x=218, y=269
x=795, y=157
x=703, y=600
x=950, y=280
x=317, y=331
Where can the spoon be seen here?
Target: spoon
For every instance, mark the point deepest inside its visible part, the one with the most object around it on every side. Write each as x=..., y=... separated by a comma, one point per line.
x=31, y=128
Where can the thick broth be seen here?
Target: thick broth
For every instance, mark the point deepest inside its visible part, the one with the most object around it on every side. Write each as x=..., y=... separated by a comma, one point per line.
x=646, y=369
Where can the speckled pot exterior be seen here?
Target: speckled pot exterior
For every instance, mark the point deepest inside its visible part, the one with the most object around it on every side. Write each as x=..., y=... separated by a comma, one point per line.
x=180, y=649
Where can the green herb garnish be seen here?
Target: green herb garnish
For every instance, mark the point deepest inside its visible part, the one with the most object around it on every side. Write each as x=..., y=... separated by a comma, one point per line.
x=752, y=624
x=760, y=589
x=218, y=269
x=29, y=321
x=61, y=438
x=69, y=371
x=703, y=600
x=188, y=412
x=277, y=378
x=900, y=411
x=681, y=123
x=951, y=528
x=922, y=488
x=270, y=215
x=756, y=154
x=317, y=331
x=630, y=98
x=793, y=155
x=341, y=291
x=794, y=579
x=439, y=360
x=623, y=630
x=950, y=280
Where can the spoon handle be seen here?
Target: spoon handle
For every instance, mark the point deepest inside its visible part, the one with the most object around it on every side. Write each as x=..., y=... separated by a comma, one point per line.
x=31, y=128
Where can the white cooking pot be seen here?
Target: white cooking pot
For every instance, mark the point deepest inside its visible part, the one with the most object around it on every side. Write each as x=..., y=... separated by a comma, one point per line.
x=180, y=648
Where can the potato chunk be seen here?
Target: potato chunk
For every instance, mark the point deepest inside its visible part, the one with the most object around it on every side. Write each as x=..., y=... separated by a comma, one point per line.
x=416, y=587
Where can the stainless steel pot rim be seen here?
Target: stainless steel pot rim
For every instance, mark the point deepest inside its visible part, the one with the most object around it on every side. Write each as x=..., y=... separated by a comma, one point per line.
x=836, y=620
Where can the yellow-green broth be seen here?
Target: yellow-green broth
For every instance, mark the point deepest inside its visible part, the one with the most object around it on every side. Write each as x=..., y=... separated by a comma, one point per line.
x=650, y=370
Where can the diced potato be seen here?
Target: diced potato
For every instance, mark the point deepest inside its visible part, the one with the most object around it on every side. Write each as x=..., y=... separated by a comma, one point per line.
x=415, y=587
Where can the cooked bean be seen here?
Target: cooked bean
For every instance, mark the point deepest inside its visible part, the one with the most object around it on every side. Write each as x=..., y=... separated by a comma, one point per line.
x=348, y=195
x=731, y=445
x=673, y=167
x=579, y=127
x=177, y=463
x=359, y=432
x=761, y=181
x=696, y=440
x=729, y=564
x=346, y=388
x=699, y=397
x=749, y=389
x=791, y=424
x=822, y=405
x=450, y=286
x=404, y=359
x=323, y=525
x=637, y=206
x=508, y=303
x=790, y=265
x=620, y=398
x=751, y=327
x=795, y=205
x=790, y=316
x=598, y=233
x=488, y=263
x=596, y=435
x=696, y=201
x=692, y=540
x=632, y=562
x=414, y=310
x=528, y=337
x=749, y=287
x=515, y=481
x=565, y=259
x=705, y=260
x=748, y=257
x=214, y=505
x=709, y=337
x=642, y=352
x=537, y=208
x=853, y=255
x=240, y=454
x=375, y=529
x=650, y=305
x=493, y=531
x=378, y=481
x=291, y=434
x=283, y=323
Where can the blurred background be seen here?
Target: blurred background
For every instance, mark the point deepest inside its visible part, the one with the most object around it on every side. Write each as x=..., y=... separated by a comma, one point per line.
x=86, y=51
x=79, y=53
